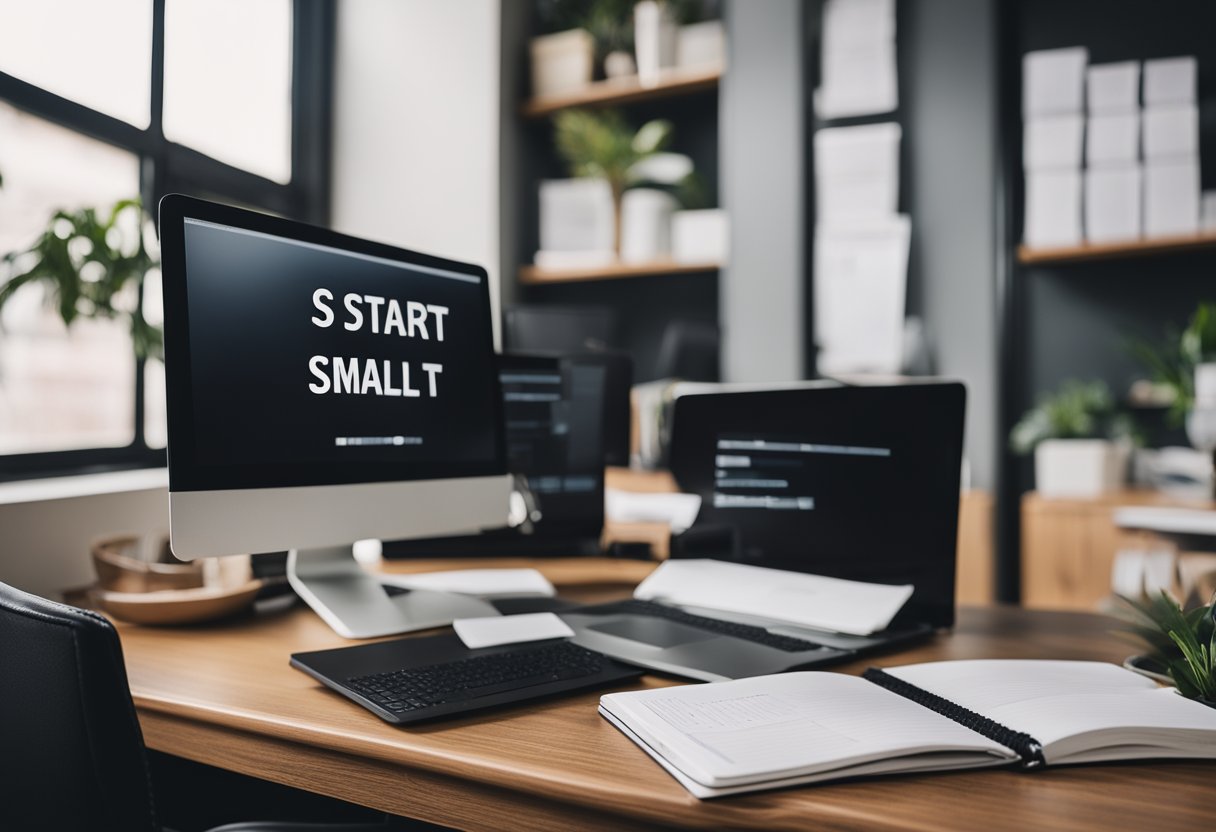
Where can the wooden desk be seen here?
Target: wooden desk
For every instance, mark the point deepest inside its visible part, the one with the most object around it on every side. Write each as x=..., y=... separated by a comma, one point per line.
x=224, y=695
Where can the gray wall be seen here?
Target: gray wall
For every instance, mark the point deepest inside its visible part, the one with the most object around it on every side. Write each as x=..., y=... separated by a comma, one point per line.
x=949, y=88
x=763, y=159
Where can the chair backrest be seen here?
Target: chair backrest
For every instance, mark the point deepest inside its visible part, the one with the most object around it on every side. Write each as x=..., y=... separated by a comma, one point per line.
x=71, y=752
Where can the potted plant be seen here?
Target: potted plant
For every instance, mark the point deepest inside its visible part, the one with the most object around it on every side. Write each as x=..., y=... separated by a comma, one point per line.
x=563, y=58
x=91, y=269
x=603, y=145
x=1072, y=433
x=610, y=23
x=1181, y=643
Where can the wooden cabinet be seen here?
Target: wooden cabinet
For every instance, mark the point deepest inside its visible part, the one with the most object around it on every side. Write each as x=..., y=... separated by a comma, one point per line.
x=975, y=583
x=1069, y=546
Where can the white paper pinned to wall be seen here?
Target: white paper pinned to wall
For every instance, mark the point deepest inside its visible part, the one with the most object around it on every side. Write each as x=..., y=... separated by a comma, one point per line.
x=857, y=172
x=860, y=291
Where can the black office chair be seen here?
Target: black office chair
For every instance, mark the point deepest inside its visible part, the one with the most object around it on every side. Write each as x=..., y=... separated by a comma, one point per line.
x=71, y=752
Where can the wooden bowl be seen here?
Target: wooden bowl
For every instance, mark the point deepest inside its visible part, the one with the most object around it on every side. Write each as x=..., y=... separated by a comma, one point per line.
x=176, y=606
x=119, y=569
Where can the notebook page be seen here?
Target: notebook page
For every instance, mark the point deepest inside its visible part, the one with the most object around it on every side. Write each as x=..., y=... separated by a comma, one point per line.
x=769, y=727
x=1057, y=700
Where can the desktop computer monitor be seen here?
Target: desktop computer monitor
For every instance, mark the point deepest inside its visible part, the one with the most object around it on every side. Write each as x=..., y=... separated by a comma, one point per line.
x=324, y=389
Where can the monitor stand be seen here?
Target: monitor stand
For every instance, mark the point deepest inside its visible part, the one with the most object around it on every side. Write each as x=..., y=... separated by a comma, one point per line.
x=353, y=602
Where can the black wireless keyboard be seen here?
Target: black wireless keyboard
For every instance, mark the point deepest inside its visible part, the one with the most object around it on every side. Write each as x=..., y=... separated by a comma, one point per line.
x=414, y=693
x=747, y=632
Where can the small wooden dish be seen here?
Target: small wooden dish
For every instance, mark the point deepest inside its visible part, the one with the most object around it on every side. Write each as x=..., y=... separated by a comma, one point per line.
x=176, y=606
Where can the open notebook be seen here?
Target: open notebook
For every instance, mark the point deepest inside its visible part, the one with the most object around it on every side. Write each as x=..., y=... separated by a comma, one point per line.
x=793, y=728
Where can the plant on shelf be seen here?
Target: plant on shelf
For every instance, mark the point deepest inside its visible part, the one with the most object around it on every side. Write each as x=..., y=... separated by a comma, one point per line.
x=1182, y=642
x=90, y=268
x=610, y=23
x=1072, y=433
x=1173, y=363
x=602, y=144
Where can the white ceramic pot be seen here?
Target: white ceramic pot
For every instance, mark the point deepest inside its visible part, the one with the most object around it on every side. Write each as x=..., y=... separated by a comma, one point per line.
x=1079, y=467
x=700, y=236
x=646, y=225
x=702, y=46
x=619, y=65
x=655, y=40
x=562, y=62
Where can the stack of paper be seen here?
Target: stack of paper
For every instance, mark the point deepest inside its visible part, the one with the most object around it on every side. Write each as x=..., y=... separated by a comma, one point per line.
x=858, y=69
x=577, y=223
x=1171, y=147
x=1053, y=88
x=1112, y=153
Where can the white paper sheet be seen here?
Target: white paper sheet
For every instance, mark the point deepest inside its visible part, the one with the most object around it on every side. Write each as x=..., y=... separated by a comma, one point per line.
x=860, y=292
x=807, y=600
x=1170, y=80
x=1113, y=139
x=1171, y=198
x=676, y=510
x=1113, y=88
x=856, y=172
x=1112, y=203
x=1053, y=81
x=858, y=59
x=1053, y=208
x=1052, y=142
x=1171, y=132
x=510, y=629
x=483, y=583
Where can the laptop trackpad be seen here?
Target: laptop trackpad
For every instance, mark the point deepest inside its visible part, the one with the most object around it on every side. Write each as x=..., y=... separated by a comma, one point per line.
x=656, y=632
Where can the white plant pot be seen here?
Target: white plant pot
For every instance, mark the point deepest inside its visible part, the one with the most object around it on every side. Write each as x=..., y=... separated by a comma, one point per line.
x=646, y=225
x=562, y=62
x=655, y=40
x=700, y=236
x=619, y=65
x=1078, y=467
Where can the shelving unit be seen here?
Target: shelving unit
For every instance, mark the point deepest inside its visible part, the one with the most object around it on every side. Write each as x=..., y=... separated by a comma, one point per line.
x=1109, y=251
x=535, y=275
x=619, y=91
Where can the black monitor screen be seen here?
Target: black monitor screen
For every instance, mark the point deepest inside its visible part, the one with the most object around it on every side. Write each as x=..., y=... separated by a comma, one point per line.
x=554, y=410
x=850, y=482
x=313, y=358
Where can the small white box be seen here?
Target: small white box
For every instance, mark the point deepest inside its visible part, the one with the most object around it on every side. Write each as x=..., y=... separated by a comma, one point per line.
x=1113, y=139
x=1078, y=467
x=1053, y=81
x=1113, y=88
x=1112, y=203
x=702, y=46
x=1171, y=132
x=1052, y=142
x=1171, y=198
x=1053, y=208
x=700, y=236
x=1170, y=81
x=646, y=225
x=577, y=215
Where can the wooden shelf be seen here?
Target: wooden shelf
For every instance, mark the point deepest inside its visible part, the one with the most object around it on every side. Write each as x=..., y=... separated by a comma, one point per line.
x=536, y=276
x=629, y=90
x=1110, y=251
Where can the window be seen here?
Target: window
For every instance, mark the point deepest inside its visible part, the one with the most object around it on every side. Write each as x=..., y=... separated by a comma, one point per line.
x=99, y=102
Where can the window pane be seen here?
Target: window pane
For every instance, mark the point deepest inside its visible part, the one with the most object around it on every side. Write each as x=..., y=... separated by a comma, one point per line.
x=228, y=81
x=59, y=389
x=98, y=54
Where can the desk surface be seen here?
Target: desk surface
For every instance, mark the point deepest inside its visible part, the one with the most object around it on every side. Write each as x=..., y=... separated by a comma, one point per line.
x=224, y=695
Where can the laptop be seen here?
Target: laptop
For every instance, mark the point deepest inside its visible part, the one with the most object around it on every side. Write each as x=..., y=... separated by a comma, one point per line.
x=852, y=482
x=557, y=411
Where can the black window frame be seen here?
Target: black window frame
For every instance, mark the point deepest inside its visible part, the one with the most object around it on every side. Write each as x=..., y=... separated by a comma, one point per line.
x=168, y=167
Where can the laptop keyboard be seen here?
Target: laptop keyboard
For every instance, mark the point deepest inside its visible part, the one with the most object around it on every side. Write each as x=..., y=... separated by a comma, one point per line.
x=747, y=632
x=417, y=688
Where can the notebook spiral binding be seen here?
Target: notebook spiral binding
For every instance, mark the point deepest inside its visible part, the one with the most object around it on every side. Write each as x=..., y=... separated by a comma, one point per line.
x=1025, y=746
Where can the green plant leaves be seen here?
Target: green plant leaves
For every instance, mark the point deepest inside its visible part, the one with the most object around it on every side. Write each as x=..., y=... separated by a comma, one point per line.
x=603, y=144
x=77, y=244
x=1078, y=410
x=1182, y=641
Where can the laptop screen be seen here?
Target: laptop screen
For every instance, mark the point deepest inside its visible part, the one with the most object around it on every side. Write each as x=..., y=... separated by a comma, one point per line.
x=849, y=482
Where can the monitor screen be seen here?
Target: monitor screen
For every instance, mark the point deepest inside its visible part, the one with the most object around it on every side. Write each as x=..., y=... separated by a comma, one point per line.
x=849, y=482
x=311, y=358
x=554, y=409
